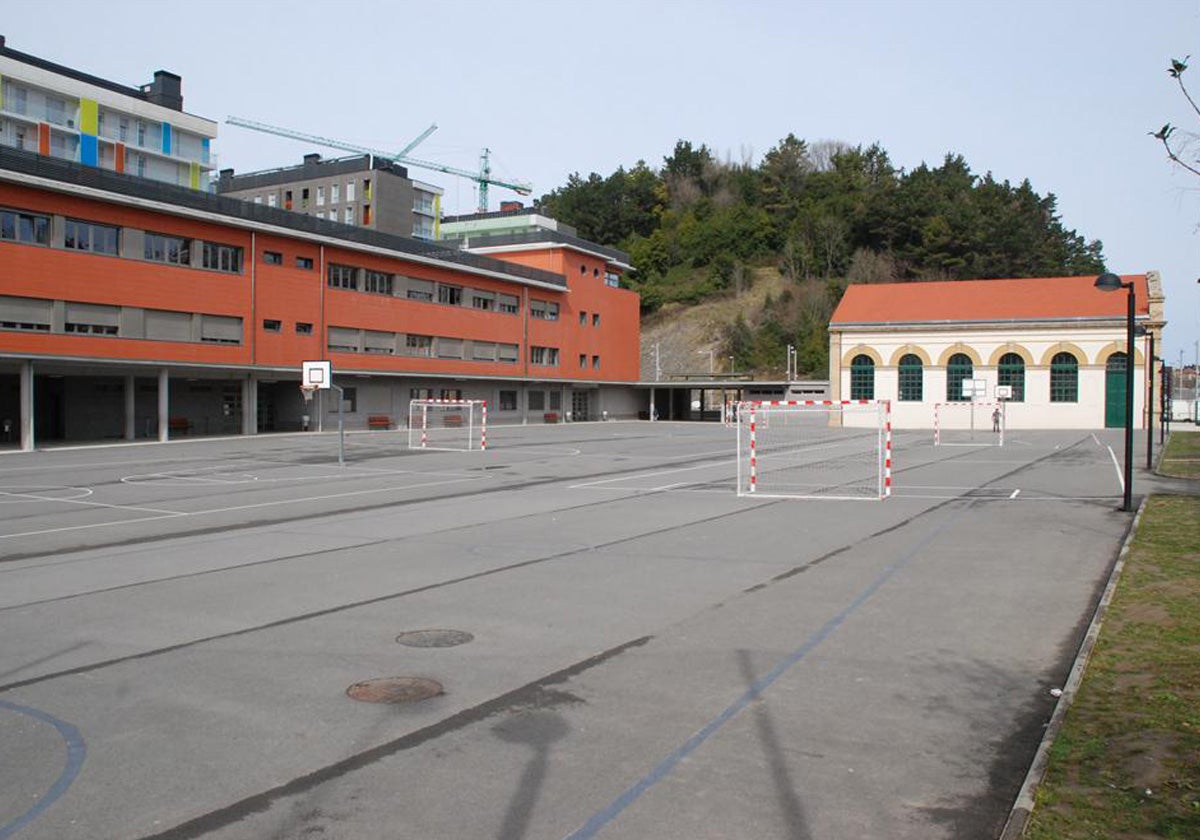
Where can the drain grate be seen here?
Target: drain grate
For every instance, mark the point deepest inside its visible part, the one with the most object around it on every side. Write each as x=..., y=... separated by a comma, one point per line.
x=434, y=638
x=394, y=690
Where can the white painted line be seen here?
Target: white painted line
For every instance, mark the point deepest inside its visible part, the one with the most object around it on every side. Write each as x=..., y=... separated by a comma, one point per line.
x=1015, y=493
x=176, y=514
x=648, y=475
x=1098, y=443
x=1120, y=475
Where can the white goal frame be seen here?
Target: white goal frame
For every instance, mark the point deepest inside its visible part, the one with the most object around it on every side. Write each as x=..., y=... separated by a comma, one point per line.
x=430, y=425
x=984, y=430
x=750, y=413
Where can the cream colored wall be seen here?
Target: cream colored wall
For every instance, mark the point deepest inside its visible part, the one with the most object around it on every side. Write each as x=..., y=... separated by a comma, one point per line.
x=1092, y=345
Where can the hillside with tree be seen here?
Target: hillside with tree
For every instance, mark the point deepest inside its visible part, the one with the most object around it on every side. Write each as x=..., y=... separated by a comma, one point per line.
x=806, y=221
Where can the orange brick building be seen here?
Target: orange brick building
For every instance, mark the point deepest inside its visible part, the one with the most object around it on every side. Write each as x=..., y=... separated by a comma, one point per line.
x=132, y=309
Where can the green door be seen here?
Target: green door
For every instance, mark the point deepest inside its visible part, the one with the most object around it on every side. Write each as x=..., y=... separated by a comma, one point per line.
x=1114, y=392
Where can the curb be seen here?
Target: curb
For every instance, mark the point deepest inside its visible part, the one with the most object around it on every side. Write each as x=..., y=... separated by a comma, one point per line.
x=1022, y=808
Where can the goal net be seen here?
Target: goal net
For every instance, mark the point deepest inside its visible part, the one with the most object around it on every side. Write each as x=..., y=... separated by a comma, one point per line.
x=458, y=425
x=968, y=424
x=814, y=449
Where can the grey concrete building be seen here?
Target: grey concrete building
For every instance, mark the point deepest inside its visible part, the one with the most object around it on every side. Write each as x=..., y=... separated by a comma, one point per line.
x=360, y=190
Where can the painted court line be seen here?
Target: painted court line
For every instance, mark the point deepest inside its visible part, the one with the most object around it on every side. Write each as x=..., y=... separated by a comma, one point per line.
x=640, y=476
x=177, y=514
x=1117, y=466
x=1015, y=493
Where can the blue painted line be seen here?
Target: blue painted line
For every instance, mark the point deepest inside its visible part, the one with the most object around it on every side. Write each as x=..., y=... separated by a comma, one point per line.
x=614, y=809
x=76, y=751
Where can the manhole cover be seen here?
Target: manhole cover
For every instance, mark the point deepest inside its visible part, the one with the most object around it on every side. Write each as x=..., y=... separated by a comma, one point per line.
x=434, y=638
x=394, y=690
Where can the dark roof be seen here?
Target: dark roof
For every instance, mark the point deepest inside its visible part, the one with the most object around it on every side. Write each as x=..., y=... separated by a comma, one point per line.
x=312, y=168
x=494, y=214
x=42, y=64
x=31, y=163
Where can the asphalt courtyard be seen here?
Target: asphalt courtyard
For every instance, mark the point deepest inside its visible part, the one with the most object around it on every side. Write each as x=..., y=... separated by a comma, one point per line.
x=630, y=650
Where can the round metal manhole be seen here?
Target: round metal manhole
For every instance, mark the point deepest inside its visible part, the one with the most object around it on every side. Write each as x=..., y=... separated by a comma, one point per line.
x=434, y=638
x=394, y=690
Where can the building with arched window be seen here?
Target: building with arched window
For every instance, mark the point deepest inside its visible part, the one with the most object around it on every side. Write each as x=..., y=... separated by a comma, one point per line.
x=1056, y=345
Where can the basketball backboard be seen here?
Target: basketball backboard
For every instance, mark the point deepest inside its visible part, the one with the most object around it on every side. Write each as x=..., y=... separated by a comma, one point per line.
x=316, y=375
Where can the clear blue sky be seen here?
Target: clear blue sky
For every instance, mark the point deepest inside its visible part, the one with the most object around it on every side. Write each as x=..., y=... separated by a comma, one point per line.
x=1062, y=93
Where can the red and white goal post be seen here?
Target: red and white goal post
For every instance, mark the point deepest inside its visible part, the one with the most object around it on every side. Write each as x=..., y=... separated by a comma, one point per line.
x=815, y=449
x=455, y=425
x=979, y=423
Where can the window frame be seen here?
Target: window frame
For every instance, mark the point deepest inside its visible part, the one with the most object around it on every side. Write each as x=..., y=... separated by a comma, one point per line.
x=955, y=375
x=1063, y=390
x=862, y=366
x=1012, y=374
x=910, y=379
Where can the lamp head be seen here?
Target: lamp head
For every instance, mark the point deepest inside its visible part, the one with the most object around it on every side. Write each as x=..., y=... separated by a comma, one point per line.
x=1109, y=282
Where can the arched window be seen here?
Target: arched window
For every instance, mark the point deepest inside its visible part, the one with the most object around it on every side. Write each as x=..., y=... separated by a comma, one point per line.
x=957, y=369
x=1064, y=377
x=1012, y=373
x=862, y=378
x=911, y=374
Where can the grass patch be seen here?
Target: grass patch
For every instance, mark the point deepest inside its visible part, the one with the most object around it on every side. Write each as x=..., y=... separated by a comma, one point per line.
x=1181, y=458
x=1126, y=763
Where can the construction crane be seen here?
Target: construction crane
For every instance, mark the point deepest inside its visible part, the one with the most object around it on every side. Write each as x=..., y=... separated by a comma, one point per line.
x=483, y=177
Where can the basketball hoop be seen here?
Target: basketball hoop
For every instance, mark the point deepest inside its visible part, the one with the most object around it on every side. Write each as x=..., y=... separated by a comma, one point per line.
x=307, y=392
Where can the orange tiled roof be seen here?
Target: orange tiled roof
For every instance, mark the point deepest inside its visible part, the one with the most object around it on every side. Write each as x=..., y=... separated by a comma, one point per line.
x=987, y=300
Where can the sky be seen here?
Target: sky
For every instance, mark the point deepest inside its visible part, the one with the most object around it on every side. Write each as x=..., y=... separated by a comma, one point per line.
x=1060, y=92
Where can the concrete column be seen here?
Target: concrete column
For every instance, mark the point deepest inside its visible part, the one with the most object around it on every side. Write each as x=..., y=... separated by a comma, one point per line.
x=250, y=405
x=164, y=405
x=27, y=406
x=130, y=407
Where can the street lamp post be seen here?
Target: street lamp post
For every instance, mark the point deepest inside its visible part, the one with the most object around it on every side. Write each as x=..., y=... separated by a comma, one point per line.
x=1110, y=283
x=1150, y=424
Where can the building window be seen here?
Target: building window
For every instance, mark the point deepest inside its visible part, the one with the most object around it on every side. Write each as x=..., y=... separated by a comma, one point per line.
x=333, y=194
x=595, y=319
x=595, y=363
x=342, y=276
x=451, y=394
x=536, y=400
x=959, y=368
x=483, y=300
x=449, y=348
x=582, y=268
x=379, y=283
x=366, y=214
x=911, y=378
x=508, y=400
x=272, y=199
x=545, y=356
x=418, y=345
x=320, y=196
x=583, y=360
x=451, y=295
x=349, y=401
x=287, y=200
x=507, y=353
x=349, y=190
x=167, y=249
x=304, y=262
x=303, y=328
x=91, y=319
x=419, y=289
x=509, y=304
x=1011, y=372
x=862, y=378
x=24, y=227
x=89, y=236
x=546, y=310
x=1064, y=375
x=220, y=329
x=270, y=325
x=272, y=258
x=483, y=351
x=348, y=216
x=222, y=257
x=612, y=279
x=583, y=319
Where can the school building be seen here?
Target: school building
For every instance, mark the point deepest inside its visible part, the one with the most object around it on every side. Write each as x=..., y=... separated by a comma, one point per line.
x=134, y=309
x=1056, y=345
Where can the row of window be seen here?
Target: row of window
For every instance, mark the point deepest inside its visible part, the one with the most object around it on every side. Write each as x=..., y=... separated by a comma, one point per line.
x=94, y=319
x=97, y=238
x=1064, y=376
x=351, y=340
x=354, y=278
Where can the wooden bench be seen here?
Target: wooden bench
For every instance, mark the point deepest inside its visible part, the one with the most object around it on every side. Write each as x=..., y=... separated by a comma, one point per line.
x=550, y=417
x=379, y=421
x=453, y=421
x=179, y=425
